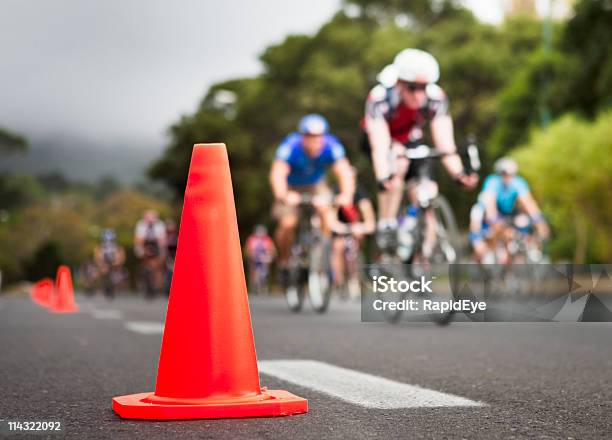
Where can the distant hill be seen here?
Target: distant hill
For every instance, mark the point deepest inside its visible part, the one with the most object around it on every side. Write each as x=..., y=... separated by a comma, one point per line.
x=83, y=161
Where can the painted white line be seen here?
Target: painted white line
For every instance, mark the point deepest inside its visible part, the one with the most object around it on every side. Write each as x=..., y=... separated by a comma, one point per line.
x=359, y=388
x=145, y=327
x=106, y=314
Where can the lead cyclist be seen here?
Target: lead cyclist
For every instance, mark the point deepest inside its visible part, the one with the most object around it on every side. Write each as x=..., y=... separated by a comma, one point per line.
x=397, y=109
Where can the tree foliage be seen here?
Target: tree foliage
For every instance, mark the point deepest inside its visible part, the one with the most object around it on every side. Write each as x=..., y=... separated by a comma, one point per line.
x=62, y=223
x=11, y=142
x=569, y=166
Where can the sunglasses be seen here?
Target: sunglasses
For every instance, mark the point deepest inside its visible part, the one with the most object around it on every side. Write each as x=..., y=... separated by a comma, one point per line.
x=414, y=87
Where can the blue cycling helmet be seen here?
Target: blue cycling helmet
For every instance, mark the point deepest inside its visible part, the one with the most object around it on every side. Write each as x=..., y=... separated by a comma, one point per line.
x=313, y=124
x=108, y=235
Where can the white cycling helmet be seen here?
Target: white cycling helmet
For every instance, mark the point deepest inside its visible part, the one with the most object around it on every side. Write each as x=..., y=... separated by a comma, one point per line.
x=506, y=165
x=416, y=65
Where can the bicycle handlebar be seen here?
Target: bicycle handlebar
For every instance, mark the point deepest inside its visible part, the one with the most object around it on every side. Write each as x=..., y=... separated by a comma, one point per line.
x=424, y=152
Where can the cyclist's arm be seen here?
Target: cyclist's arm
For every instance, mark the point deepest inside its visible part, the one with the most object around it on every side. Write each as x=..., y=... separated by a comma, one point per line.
x=249, y=247
x=271, y=248
x=278, y=179
x=489, y=198
x=443, y=137
x=98, y=260
x=346, y=181
x=532, y=209
x=163, y=243
x=529, y=204
x=120, y=256
x=379, y=137
x=139, y=237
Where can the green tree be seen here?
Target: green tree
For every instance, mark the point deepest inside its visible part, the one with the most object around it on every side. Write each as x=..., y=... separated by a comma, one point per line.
x=575, y=75
x=569, y=166
x=11, y=142
x=587, y=39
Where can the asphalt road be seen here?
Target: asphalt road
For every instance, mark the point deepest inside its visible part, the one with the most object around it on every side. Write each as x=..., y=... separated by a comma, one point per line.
x=544, y=380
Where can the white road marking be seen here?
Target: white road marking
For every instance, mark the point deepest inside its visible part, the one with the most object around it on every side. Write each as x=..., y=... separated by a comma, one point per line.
x=359, y=388
x=106, y=314
x=145, y=327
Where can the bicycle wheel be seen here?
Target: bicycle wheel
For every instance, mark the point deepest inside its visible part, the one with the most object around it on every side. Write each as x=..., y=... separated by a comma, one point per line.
x=447, y=249
x=108, y=285
x=353, y=261
x=391, y=267
x=320, y=276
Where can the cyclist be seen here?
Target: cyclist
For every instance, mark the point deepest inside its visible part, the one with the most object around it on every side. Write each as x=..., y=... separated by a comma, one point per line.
x=504, y=194
x=109, y=257
x=150, y=247
x=171, y=245
x=396, y=112
x=300, y=165
x=260, y=253
x=355, y=220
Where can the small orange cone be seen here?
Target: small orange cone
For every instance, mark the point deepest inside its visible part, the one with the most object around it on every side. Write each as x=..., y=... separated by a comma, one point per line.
x=208, y=366
x=42, y=292
x=64, y=292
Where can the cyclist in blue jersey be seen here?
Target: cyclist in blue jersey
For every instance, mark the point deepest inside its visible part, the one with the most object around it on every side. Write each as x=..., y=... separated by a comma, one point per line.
x=504, y=194
x=301, y=163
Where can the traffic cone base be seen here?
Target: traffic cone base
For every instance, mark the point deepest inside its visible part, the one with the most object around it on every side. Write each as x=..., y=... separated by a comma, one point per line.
x=270, y=403
x=66, y=309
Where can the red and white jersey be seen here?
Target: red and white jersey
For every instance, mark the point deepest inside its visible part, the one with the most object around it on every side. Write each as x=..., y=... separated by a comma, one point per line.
x=405, y=124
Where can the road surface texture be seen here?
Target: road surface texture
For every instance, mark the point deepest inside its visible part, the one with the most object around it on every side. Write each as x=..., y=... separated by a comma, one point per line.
x=362, y=380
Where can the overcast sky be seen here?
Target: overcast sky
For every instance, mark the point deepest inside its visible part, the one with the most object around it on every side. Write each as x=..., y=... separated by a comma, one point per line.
x=125, y=70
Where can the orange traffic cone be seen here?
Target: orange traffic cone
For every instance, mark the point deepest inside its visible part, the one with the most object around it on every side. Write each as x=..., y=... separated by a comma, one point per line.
x=42, y=292
x=64, y=292
x=208, y=366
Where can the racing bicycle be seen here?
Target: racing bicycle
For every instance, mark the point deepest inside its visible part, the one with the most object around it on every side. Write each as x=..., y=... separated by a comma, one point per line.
x=411, y=259
x=310, y=272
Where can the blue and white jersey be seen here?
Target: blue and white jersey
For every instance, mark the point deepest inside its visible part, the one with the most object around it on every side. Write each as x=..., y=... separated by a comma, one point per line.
x=506, y=195
x=306, y=170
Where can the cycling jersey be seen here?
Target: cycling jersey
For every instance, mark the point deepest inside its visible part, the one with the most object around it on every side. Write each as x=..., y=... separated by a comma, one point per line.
x=259, y=248
x=152, y=234
x=306, y=170
x=109, y=252
x=405, y=124
x=505, y=195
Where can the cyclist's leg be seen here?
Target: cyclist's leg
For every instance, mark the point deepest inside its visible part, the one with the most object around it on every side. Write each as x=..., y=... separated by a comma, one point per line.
x=284, y=235
x=158, y=273
x=389, y=201
x=338, y=260
x=420, y=178
x=323, y=207
x=504, y=235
